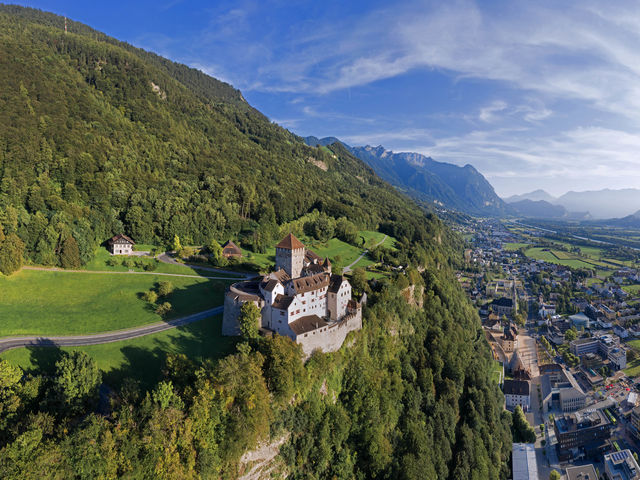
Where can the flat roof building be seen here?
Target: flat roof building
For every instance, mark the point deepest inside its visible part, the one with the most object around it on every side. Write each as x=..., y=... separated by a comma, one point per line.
x=583, y=472
x=524, y=461
x=621, y=466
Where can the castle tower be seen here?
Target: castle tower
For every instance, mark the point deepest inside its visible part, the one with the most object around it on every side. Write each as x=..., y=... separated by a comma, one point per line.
x=290, y=256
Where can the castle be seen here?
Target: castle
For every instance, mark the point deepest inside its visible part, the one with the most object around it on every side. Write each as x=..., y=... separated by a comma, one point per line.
x=301, y=299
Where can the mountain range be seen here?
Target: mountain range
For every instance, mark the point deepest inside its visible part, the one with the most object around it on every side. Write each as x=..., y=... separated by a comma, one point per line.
x=600, y=204
x=427, y=180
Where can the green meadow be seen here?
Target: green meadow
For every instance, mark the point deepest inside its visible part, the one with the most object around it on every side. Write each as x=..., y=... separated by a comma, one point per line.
x=140, y=358
x=66, y=303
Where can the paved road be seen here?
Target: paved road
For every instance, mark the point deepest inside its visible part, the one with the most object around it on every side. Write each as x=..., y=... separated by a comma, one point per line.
x=8, y=343
x=166, y=258
x=347, y=269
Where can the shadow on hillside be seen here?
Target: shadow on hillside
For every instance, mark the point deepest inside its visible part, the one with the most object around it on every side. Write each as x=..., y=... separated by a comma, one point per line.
x=43, y=358
x=144, y=358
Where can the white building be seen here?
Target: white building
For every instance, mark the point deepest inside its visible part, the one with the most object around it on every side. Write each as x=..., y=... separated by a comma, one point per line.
x=121, y=245
x=517, y=392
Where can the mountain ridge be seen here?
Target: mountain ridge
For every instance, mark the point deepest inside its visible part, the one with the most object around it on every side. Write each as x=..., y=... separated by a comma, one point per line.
x=427, y=180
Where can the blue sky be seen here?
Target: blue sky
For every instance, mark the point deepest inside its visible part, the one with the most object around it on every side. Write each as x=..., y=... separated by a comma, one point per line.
x=542, y=94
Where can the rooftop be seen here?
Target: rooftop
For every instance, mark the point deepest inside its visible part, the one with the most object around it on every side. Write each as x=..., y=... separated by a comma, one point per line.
x=290, y=242
x=583, y=472
x=524, y=462
x=307, y=324
x=621, y=466
x=516, y=387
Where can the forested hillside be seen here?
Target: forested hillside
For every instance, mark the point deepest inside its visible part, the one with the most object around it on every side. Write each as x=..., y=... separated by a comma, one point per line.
x=97, y=138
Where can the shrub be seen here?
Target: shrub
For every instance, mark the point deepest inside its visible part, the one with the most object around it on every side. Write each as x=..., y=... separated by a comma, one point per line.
x=165, y=288
x=150, y=296
x=163, y=309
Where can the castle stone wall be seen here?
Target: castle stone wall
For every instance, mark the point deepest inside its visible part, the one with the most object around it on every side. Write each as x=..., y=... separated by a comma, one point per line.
x=331, y=339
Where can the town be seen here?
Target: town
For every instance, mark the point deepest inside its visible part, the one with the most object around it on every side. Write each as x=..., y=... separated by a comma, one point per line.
x=562, y=318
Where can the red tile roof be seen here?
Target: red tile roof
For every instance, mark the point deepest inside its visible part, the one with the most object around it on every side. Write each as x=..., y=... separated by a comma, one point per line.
x=290, y=242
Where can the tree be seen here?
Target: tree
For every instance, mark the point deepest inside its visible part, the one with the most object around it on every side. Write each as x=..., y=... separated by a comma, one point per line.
x=11, y=252
x=249, y=321
x=10, y=376
x=70, y=253
x=76, y=381
x=176, y=246
x=165, y=288
x=358, y=280
x=570, y=334
x=522, y=430
x=554, y=475
x=165, y=396
x=215, y=250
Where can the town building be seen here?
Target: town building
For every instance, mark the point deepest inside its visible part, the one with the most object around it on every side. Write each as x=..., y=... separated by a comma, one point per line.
x=621, y=466
x=608, y=346
x=301, y=299
x=523, y=457
x=559, y=389
x=503, y=306
x=231, y=250
x=582, y=472
x=583, y=431
x=517, y=392
x=634, y=422
x=509, y=339
x=120, y=245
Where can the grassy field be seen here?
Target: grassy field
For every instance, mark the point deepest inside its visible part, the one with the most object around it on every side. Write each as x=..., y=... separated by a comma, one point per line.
x=547, y=255
x=633, y=367
x=140, y=358
x=99, y=264
x=632, y=289
x=67, y=303
x=496, y=371
x=513, y=247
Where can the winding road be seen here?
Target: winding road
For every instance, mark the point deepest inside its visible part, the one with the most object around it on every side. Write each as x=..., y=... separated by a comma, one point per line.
x=347, y=269
x=7, y=343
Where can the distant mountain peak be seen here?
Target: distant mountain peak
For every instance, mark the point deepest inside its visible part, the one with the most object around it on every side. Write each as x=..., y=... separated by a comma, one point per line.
x=535, y=196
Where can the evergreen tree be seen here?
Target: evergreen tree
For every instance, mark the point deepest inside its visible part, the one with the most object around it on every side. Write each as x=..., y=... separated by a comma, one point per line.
x=70, y=254
x=11, y=252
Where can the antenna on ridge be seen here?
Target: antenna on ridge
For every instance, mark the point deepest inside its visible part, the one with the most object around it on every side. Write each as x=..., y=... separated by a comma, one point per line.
x=65, y=24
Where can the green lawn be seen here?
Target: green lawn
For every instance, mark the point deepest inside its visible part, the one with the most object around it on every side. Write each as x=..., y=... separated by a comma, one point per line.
x=633, y=368
x=66, y=303
x=141, y=358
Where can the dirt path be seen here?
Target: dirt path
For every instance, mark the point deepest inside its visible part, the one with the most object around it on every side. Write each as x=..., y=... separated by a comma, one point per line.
x=53, y=269
x=166, y=258
x=8, y=343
